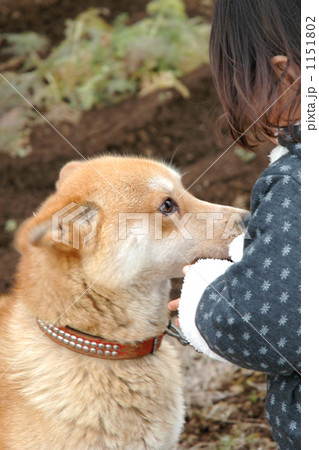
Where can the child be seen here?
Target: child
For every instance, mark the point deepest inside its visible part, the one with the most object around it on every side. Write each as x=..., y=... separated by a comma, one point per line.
x=248, y=312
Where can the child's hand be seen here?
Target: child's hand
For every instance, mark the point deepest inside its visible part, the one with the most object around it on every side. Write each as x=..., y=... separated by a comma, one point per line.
x=173, y=306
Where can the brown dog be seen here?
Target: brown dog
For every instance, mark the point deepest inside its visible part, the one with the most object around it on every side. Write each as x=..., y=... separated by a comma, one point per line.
x=81, y=363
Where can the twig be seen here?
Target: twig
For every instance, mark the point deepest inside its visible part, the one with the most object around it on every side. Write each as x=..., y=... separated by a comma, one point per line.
x=13, y=63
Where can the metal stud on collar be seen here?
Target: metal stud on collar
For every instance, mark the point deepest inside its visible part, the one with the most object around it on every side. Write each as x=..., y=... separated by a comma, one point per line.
x=77, y=343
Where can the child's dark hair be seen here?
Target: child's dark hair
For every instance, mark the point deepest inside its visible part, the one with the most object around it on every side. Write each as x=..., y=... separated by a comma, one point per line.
x=246, y=35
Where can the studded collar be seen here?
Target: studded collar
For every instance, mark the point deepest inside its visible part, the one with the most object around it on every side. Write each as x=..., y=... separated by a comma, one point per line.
x=89, y=345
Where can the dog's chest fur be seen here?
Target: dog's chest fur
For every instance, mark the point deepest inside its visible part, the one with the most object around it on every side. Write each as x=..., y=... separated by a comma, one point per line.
x=92, y=403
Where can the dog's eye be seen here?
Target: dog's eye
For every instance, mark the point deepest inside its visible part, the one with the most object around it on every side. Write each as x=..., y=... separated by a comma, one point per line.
x=168, y=207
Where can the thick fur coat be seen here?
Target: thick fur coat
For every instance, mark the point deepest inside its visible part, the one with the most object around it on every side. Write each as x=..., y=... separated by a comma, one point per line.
x=114, y=285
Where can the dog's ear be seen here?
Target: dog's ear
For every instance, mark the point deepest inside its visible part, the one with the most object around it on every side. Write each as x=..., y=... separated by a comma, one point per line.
x=71, y=228
x=66, y=172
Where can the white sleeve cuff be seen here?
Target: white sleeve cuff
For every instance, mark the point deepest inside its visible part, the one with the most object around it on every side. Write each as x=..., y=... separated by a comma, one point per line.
x=277, y=153
x=197, y=279
x=236, y=248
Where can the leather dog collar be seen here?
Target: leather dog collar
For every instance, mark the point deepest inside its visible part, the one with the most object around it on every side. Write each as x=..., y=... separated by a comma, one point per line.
x=89, y=345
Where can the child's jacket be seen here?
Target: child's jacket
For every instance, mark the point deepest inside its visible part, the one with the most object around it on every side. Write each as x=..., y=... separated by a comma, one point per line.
x=250, y=315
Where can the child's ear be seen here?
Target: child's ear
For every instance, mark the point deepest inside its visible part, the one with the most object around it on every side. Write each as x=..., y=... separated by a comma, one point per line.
x=279, y=65
x=66, y=171
x=71, y=228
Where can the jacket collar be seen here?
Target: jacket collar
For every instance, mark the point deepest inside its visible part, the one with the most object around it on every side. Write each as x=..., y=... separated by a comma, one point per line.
x=289, y=138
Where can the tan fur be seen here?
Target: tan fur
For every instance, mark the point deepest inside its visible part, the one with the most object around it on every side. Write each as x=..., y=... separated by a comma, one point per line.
x=52, y=397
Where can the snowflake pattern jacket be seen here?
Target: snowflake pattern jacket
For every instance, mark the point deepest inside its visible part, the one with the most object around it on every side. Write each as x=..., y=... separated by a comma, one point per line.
x=249, y=314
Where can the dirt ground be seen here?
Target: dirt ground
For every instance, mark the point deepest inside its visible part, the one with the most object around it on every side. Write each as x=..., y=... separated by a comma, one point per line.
x=224, y=403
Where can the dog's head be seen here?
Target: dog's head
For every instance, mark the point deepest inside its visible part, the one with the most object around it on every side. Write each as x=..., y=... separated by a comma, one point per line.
x=121, y=219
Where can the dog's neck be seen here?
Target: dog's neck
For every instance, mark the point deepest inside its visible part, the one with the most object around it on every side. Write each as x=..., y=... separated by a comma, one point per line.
x=133, y=313
x=123, y=315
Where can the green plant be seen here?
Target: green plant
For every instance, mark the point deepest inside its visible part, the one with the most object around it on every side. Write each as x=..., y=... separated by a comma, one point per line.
x=245, y=155
x=21, y=44
x=101, y=63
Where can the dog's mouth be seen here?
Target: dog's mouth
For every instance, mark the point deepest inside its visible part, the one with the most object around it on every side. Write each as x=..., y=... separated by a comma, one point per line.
x=223, y=259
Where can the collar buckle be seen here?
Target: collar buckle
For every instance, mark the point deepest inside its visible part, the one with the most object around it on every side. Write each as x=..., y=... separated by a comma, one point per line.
x=156, y=345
